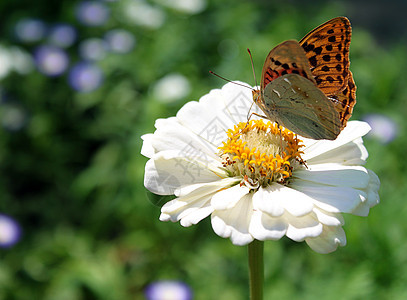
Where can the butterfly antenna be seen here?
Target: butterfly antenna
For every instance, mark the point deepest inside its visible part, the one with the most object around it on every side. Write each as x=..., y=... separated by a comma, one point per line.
x=249, y=115
x=255, y=82
x=213, y=73
x=251, y=60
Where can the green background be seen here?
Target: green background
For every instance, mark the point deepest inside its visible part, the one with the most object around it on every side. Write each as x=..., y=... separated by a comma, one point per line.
x=72, y=176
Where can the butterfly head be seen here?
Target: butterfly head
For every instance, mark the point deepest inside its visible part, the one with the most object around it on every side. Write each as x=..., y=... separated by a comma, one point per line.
x=256, y=96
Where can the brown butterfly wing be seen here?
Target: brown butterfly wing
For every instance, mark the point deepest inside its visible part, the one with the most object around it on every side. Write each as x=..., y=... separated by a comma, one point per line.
x=345, y=100
x=286, y=58
x=297, y=104
x=327, y=50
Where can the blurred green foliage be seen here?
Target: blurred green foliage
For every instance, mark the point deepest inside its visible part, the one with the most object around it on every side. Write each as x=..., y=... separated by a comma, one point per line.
x=72, y=175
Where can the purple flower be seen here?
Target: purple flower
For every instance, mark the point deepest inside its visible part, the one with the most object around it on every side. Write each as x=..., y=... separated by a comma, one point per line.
x=168, y=290
x=384, y=128
x=62, y=35
x=92, y=13
x=85, y=77
x=51, y=60
x=10, y=231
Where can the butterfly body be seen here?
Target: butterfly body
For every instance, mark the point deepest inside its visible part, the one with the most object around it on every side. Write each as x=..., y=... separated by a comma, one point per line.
x=306, y=86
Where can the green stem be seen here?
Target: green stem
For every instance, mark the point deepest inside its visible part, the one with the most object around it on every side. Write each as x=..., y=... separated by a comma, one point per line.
x=256, y=269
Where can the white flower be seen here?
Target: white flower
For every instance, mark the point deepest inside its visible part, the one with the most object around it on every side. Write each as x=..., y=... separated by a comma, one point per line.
x=217, y=164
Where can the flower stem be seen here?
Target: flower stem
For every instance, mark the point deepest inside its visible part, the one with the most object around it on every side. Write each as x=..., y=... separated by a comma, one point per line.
x=256, y=269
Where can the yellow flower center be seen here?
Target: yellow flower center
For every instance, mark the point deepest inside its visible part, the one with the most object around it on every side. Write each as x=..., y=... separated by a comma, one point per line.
x=261, y=153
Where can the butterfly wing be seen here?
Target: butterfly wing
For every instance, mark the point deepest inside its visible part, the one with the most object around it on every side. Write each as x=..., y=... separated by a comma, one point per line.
x=294, y=102
x=286, y=58
x=345, y=100
x=327, y=50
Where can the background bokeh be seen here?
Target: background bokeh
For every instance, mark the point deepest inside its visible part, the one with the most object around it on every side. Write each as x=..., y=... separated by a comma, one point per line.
x=81, y=81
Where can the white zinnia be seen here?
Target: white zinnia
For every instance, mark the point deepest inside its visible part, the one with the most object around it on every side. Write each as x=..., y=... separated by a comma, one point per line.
x=305, y=205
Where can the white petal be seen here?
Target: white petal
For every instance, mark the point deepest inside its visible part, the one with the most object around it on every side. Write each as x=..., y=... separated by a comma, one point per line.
x=160, y=182
x=334, y=174
x=329, y=219
x=160, y=123
x=328, y=241
x=165, y=172
x=353, y=131
x=147, y=149
x=331, y=198
x=206, y=187
x=238, y=101
x=165, y=217
x=194, y=202
x=192, y=165
x=263, y=200
x=264, y=227
x=180, y=207
x=191, y=195
x=276, y=197
x=204, y=121
x=171, y=135
x=300, y=228
x=352, y=153
x=295, y=202
x=372, y=196
x=361, y=210
x=196, y=216
x=227, y=198
x=216, y=112
x=234, y=223
x=192, y=209
x=373, y=189
x=175, y=207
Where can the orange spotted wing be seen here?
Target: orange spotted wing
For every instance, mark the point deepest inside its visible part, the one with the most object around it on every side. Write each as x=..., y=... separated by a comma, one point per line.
x=327, y=50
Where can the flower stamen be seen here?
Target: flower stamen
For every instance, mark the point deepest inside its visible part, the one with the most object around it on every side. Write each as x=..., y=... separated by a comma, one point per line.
x=261, y=153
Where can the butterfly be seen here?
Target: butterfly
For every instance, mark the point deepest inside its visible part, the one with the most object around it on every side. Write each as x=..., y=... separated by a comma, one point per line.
x=307, y=86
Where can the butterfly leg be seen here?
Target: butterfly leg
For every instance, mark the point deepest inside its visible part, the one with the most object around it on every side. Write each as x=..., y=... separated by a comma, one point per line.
x=250, y=116
x=281, y=139
x=300, y=160
x=256, y=114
